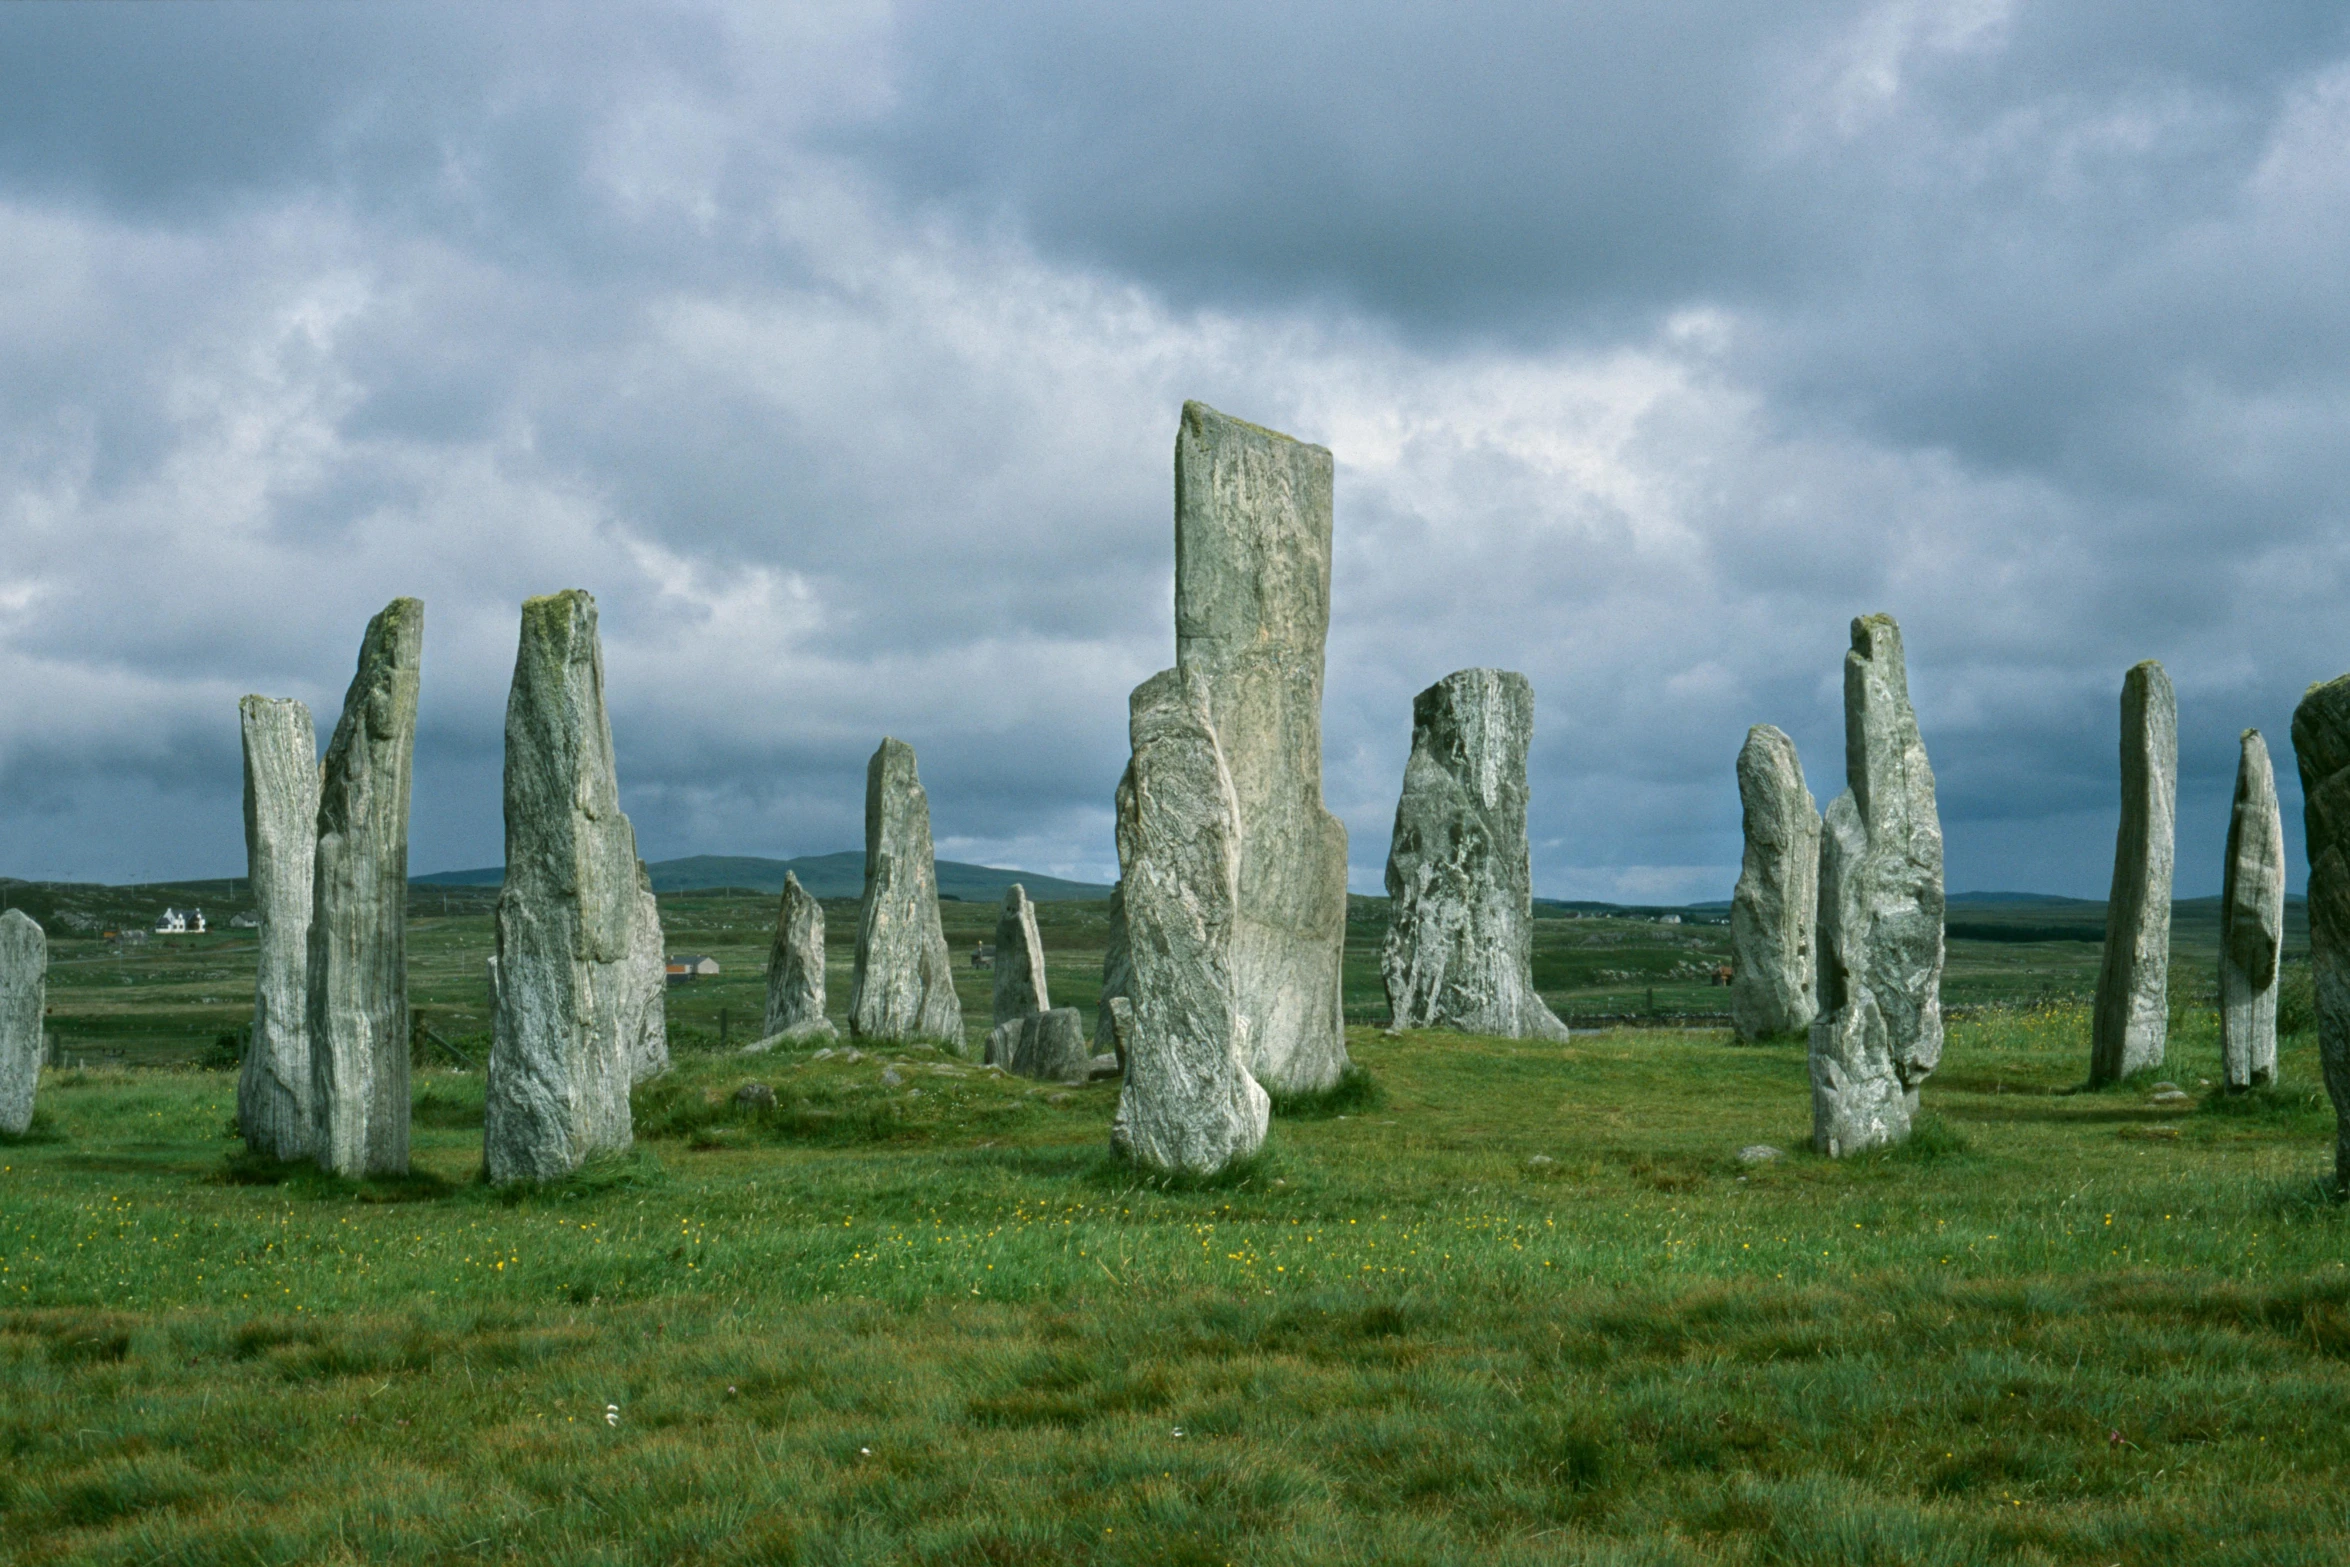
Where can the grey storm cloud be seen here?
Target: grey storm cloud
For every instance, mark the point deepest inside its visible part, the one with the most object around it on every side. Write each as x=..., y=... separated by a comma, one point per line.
x=838, y=350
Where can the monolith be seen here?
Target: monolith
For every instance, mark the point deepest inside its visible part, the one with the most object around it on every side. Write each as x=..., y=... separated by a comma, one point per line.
x=903, y=985
x=568, y=1031
x=2251, y=923
x=1189, y=1101
x=281, y=849
x=1020, y=989
x=644, y=1013
x=2321, y=744
x=1879, y=1031
x=1460, y=937
x=2132, y=1012
x=356, y=986
x=795, y=963
x=1252, y=612
x=1049, y=1045
x=1775, y=909
x=1117, y=974
x=24, y=985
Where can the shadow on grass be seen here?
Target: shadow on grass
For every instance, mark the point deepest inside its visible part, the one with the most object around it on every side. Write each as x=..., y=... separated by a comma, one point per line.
x=42, y=1128
x=300, y=1177
x=1355, y=1090
x=637, y=1169
x=1114, y=1172
x=1931, y=1140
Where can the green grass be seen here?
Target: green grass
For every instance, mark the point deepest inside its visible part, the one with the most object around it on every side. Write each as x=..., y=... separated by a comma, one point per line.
x=1517, y=1302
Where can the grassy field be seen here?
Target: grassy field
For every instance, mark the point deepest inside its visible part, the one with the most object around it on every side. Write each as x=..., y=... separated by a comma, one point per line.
x=1525, y=1304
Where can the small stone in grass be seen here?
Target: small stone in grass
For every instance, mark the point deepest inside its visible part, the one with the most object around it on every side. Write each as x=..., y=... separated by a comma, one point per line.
x=1757, y=1153
x=756, y=1094
x=1541, y=1159
x=890, y=1078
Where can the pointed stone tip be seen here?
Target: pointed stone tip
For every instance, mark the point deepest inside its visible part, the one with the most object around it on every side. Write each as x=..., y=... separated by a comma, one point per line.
x=791, y=881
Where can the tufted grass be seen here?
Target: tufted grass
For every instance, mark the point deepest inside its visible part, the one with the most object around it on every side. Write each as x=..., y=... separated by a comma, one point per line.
x=1511, y=1303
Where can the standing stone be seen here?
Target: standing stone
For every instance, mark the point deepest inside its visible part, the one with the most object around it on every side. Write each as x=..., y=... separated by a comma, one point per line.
x=2133, y=1014
x=1020, y=989
x=567, y=1035
x=795, y=963
x=2251, y=923
x=1460, y=937
x=2321, y=743
x=903, y=986
x=1879, y=1032
x=1049, y=1045
x=1117, y=976
x=1188, y=1102
x=1252, y=611
x=1774, y=912
x=357, y=983
x=281, y=849
x=24, y=987
x=644, y=1013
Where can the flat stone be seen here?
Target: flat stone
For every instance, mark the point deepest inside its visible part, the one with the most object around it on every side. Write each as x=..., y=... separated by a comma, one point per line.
x=565, y=1042
x=807, y=1033
x=891, y=1078
x=1020, y=989
x=1117, y=974
x=1459, y=951
x=281, y=851
x=1047, y=1045
x=1775, y=910
x=356, y=983
x=1878, y=1035
x=903, y=986
x=1189, y=1102
x=1103, y=1068
x=2132, y=1012
x=2173, y=1097
x=2251, y=922
x=795, y=960
x=24, y=996
x=1758, y=1153
x=1252, y=614
x=758, y=1096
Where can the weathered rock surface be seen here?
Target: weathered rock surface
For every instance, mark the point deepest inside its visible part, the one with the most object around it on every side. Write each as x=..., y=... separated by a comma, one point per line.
x=1048, y=1045
x=795, y=962
x=1117, y=976
x=24, y=994
x=1020, y=989
x=2321, y=744
x=1252, y=613
x=1460, y=938
x=1879, y=1032
x=281, y=849
x=567, y=1034
x=815, y=1030
x=2133, y=997
x=903, y=986
x=2251, y=922
x=1774, y=913
x=644, y=1011
x=1189, y=1102
x=1120, y=1012
x=356, y=988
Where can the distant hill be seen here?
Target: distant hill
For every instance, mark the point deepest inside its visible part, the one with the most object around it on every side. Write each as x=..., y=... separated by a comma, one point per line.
x=839, y=875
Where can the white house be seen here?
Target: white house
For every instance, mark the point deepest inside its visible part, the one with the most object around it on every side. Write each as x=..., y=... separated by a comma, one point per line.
x=180, y=922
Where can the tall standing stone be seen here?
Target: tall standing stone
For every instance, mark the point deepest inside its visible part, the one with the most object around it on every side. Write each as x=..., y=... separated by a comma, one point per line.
x=1252, y=612
x=1020, y=989
x=644, y=1013
x=1117, y=975
x=1879, y=1032
x=2321, y=743
x=1775, y=910
x=2133, y=1013
x=24, y=987
x=281, y=848
x=568, y=1036
x=1460, y=938
x=903, y=985
x=2251, y=923
x=357, y=983
x=795, y=962
x=1189, y=1101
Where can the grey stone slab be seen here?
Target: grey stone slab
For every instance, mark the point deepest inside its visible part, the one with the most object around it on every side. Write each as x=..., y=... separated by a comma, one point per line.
x=24, y=995
x=1117, y=975
x=1459, y=951
x=281, y=851
x=569, y=926
x=1189, y=1101
x=1878, y=1035
x=644, y=1011
x=1050, y=1046
x=2251, y=922
x=903, y=985
x=2132, y=1012
x=795, y=960
x=356, y=987
x=2321, y=745
x=1774, y=913
x=1020, y=986
x=1252, y=615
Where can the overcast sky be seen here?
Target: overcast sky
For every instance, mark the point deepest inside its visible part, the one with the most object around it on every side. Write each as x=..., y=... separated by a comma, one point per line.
x=838, y=351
